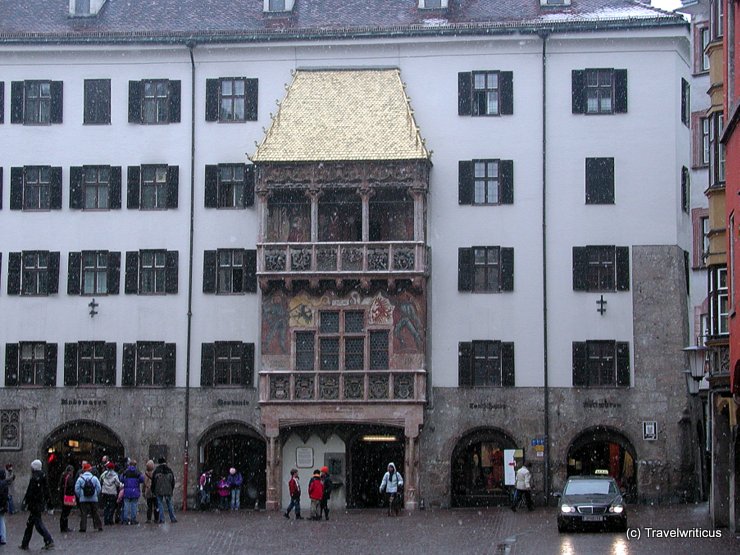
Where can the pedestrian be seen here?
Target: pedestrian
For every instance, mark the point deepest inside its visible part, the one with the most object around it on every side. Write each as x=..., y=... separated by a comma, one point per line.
x=69, y=499
x=326, y=483
x=222, y=487
x=87, y=489
x=3, y=506
x=110, y=485
x=132, y=480
x=205, y=482
x=316, y=494
x=36, y=500
x=152, y=510
x=523, y=486
x=235, y=486
x=294, y=487
x=10, y=479
x=163, y=485
x=392, y=485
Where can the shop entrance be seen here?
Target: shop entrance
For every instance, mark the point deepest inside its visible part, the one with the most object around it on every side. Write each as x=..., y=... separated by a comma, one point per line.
x=478, y=469
x=370, y=451
x=77, y=441
x=601, y=450
x=236, y=445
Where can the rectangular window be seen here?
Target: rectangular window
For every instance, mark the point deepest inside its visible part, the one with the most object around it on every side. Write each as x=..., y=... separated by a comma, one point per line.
x=37, y=108
x=150, y=363
x=601, y=268
x=228, y=364
x=486, y=182
x=37, y=188
x=599, y=91
x=155, y=101
x=486, y=269
x=685, y=189
x=97, y=101
x=685, y=103
x=94, y=272
x=379, y=350
x=716, y=150
x=705, y=141
x=486, y=363
x=93, y=363
x=718, y=307
x=32, y=363
x=231, y=271
x=599, y=180
x=35, y=276
x=703, y=54
x=152, y=272
x=486, y=93
x=304, y=350
x=82, y=7
x=153, y=187
x=231, y=186
x=96, y=184
x=276, y=5
x=233, y=99
x=601, y=364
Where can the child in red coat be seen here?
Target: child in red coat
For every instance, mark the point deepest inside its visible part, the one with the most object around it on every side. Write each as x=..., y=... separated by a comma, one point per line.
x=316, y=493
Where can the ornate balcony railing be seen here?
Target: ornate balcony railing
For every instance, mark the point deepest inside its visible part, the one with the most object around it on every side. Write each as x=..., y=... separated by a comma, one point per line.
x=394, y=258
x=372, y=386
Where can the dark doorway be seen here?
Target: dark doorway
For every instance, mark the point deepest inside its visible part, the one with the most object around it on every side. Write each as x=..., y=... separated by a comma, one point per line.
x=237, y=446
x=370, y=451
x=75, y=442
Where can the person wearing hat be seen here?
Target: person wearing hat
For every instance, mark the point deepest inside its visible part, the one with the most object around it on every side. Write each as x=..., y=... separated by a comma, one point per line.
x=36, y=500
x=326, y=483
x=235, y=485
x=110, y=485
x=87, y=489
x=316, y=494
x=163, y=485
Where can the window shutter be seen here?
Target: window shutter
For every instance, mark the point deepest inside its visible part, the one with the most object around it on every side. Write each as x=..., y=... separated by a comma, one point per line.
x=1, y=184
x=134, y=101
x=207, y=364
x=57, y=96
x=211, y=187
x=74, y=269
x=248, y=364
x=623, y=363
x=580, y=377
x=16, y=188
x=212, y=86
x=506, y=176
x=53, y=270
x=114, y=198
x=170, y=279
x=507, y=364
x=464, y=269
x=2, y=102
x=170, y=364
x=70, y=364
x=465, y=364
x=16, y=102
x=76, y=174
x=14, y=273
x=131, y=285
x=128, y=370
x=464, y=93
x=55, y=184
x=578, y=90
x=506, y=91
x=622, y=264
x=110, y=364
x=174, y=101
x=507, y=269
x=249, y=179
x=620, y=91
x=599, y=180
x=209, y=271
x=580, y=268
x=251, y=99
x=465, y=188
x=11, y=364
x=50, y=370
x=133, y=186
x=114, y=273
x=250, y=271
x=173, y=186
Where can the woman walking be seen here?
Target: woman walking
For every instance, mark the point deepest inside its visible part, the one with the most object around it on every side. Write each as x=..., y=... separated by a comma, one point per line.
x=67, y=494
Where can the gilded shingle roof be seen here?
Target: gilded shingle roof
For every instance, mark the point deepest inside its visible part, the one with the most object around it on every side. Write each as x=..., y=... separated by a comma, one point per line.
x=333, y=115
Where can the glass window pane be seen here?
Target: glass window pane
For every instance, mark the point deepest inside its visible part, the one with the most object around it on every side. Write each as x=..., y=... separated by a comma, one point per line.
x=329, y=322
x=227, y=87
x=239, y=85
x=479, y=80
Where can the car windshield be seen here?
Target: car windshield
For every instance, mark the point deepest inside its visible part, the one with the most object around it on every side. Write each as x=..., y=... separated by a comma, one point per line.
x=585, y=487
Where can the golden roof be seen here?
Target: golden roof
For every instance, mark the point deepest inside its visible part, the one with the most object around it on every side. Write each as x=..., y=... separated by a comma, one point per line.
x=333, y=115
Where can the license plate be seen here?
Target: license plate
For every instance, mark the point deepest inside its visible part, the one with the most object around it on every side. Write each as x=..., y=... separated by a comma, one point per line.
x=593, y=518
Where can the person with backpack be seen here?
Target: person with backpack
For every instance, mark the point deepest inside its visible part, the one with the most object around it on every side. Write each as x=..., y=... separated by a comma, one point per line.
x=110, y=485
x=326, y=482
x=391, y=485
x=132, y=480
x=163, y=484
x=87, y=489
x=235, y=485
x=36, y=500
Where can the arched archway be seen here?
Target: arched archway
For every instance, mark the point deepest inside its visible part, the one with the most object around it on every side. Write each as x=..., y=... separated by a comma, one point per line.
x=604, y=450
x=77, y=441
x=478, y=468
x=235, y=444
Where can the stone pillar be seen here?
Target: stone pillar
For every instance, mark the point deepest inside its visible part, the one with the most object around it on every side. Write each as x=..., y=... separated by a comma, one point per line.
x=314, y=193
x=365, y=193
x=262, y=212
x=721, y=433
x=273, y=470
x=417, y=194
x=411, y=469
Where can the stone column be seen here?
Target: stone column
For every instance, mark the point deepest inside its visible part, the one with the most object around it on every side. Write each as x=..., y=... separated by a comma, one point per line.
x=365, y=193
x=411, y=469
x=314, y=193
x=262, y=212
x=273, y=469
x=417, y=193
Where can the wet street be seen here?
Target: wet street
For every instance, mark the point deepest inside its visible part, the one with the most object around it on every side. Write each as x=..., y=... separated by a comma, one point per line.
x=495, y=531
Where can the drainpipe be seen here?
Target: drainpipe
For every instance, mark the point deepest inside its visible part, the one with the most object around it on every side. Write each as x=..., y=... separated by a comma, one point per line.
x=186, y=451
x=546, y=390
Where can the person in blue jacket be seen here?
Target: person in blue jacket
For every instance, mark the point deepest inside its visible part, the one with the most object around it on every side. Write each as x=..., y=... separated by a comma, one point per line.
x=87, y=489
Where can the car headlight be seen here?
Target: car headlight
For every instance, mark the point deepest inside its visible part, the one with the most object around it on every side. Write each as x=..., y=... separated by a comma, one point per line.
x=616, y=509
x=567, y=508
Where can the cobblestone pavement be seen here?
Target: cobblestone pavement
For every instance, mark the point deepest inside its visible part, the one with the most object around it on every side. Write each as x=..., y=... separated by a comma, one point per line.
x=494, y=531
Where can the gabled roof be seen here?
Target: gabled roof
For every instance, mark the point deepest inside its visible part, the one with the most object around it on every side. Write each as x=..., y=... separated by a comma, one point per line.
x=31, y=21
x=342, y=115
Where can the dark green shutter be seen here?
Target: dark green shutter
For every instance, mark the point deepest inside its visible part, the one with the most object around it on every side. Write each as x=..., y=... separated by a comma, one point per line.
x=70, y=364
x=580, y=268
x=2, y=102
x=211, y=186
x=212, y=89
x=128, y=375
x=207, y=364
x=578, y=90
x=170, y=278
x=131, y=284
x=209, y=271
x=74, y=270
x=580, y=375
x=133, y=186
x=14, y=273
x=507, y=364
x=57, y=102
x=506, y=92
x=249, y=179
x=250, y=271
x=507, y=269
x=465, y=182
x=114, y=198
x=76, y=198
x=170, y=364
x=464, y=93
x=247, y=364
x=622, y=263
x=11, y=364
x=50, y=369
x=464, y=269
x=134, y=101
x=114, y=273
x=173, y=186
x=16, y=188
x=623, y=363
x=53, y=271
x=620, y=91
x=174, y=101
x=599, y=180
x=110, y=364
x=55, y=187
x=1, y=187
x=251, y=100
x=465, y=364
x=506, y=180
x=16, y=102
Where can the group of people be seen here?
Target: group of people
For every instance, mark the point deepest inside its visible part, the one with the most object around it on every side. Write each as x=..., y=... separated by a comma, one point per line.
x=319, y=492
x=223, y=494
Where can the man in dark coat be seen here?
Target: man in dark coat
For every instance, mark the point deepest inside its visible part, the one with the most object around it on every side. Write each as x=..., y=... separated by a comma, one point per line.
x=326, y=481
x=36, y=500
x=163, y=484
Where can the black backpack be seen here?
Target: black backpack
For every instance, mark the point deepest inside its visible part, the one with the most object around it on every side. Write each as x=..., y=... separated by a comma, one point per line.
x=88, y=488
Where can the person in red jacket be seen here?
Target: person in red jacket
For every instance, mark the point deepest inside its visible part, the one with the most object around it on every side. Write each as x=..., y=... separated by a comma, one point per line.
x=294, y=486
x=316, y=493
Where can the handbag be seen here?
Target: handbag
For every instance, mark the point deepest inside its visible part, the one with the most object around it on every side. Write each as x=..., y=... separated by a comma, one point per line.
x=68, y=500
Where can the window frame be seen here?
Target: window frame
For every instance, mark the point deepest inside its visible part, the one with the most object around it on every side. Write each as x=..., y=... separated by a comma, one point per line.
x=38, y=365
x=600, y=181
x=36, y=275
x=34, y=114
x=600, y=89
x=97, y=184
x=223, y=355
x=97, y=269
x=96, y=102
x=718, y=301
x=601, y=363
x=152, y=277
x=235, y=270
x=43, y=203
x=159, y=198
x=466, y=266
x=601, y=268
x=99, y=364
x=159, y=101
